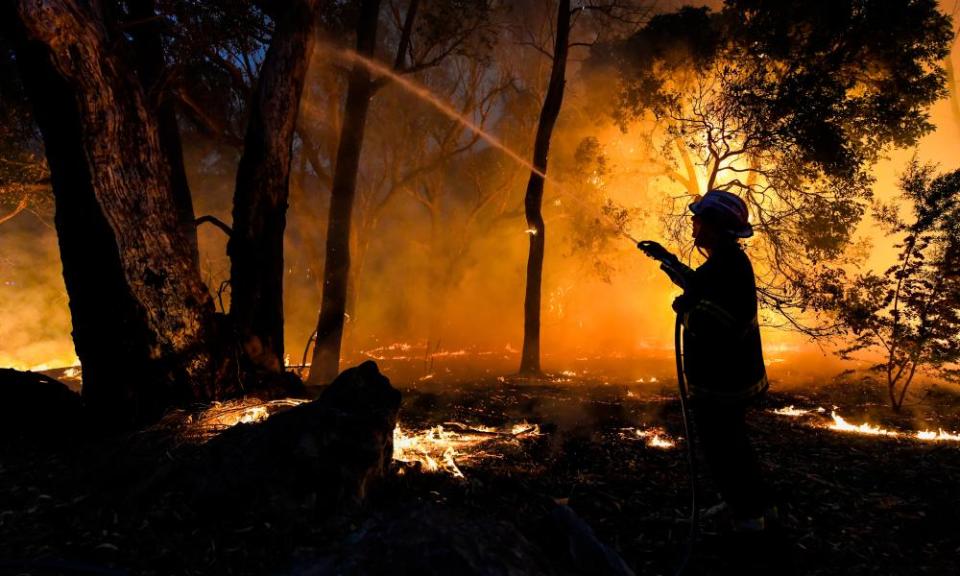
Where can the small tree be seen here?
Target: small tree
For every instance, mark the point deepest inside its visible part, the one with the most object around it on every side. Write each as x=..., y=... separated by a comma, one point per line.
x=911, y=312
x=428, y=35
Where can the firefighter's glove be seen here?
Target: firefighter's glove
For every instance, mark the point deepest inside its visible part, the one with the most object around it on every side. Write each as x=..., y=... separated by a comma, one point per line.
x=656, y=251
x=678, y=274
x=683, y=304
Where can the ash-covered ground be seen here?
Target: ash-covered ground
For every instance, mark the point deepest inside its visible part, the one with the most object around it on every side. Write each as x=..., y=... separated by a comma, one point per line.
x=850, y=503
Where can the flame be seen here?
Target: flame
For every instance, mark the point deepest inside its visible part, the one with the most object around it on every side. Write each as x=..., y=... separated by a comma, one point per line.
x=926, y=435
x=228, y=414
x=842, y=425
x=400, y=351
x=654, y=437
x=939, y=435
x=223, y=415
x=441, y=447
x=657, y=441
x=791, y=411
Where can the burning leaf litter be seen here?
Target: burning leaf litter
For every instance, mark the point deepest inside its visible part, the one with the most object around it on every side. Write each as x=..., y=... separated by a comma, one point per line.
x=220, y=416
x=840, y=424
x=791, y=411
x=654, y=437
x=436, y=449
x=439, y=448
x=843, y=426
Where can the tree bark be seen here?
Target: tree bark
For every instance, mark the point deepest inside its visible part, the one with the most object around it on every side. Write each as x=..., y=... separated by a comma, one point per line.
x=151, y=67
x=533, y=201
x=326, y=353
x=262, y=190
x=142, y=318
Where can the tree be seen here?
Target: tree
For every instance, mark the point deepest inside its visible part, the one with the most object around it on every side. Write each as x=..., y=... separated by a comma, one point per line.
x=144, y=323
x=326, y=355
x=533, y=201
x=262, y=189
x=787, y=104
x=910, y=312
x=143, y=326
x=561, y=29
x=442, y=178
x=951, y=73
x=444, y=29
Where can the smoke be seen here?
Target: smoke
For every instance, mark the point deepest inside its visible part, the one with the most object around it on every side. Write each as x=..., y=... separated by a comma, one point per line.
x=34, y=318
x=439, y=262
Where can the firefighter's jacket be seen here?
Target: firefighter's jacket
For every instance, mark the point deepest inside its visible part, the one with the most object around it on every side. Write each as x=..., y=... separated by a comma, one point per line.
x=722, y=354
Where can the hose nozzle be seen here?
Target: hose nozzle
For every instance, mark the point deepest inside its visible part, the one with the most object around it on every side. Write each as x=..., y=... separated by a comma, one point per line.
x=679, y=273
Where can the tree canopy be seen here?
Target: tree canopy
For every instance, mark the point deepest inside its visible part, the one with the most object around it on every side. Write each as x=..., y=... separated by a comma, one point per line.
x=786, y=103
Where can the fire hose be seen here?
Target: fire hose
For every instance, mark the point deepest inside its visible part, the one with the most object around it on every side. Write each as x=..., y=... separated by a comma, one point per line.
x=680, y=275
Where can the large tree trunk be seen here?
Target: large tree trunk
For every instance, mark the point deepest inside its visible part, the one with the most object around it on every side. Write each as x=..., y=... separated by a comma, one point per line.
x=151, y=67
x=142, y=318
x=533, y=201
x=262, y=190
x=336, y=273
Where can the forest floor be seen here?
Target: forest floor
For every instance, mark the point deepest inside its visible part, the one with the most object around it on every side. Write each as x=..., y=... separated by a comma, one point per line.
x=850, y=503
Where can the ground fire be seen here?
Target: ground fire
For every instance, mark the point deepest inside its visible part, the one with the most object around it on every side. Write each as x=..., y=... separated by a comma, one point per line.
x=474, y=287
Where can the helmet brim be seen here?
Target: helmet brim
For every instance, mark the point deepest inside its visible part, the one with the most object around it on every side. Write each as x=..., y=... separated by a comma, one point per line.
x=742, y=232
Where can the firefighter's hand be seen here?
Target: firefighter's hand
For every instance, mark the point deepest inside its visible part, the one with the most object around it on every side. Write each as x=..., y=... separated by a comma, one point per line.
x=655, y=251
x=682, y=304
x=676, y=275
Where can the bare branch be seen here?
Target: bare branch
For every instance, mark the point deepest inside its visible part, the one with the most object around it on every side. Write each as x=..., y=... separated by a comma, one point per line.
x=209, y=219
x=21, y=206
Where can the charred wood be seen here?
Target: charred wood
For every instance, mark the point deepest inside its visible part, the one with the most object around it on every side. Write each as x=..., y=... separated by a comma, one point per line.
x=314, y=458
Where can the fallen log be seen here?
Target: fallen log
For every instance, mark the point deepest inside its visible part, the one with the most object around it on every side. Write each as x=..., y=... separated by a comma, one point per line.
x=315, y=457
x=37, y=408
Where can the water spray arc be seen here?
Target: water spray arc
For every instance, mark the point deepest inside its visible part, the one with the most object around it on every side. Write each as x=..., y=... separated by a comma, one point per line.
x=423, y=93
x=349, y=56
x=674, y=269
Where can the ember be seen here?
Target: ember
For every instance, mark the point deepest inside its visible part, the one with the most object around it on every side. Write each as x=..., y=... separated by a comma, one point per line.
x=220, y=416
x=437, y=449
x=791, y=411
x=655, y=437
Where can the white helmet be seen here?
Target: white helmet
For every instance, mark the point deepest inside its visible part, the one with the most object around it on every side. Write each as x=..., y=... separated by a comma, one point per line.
x=725, y=209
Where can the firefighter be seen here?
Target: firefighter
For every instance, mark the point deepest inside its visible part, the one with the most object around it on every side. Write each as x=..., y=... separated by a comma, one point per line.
x=723, y=360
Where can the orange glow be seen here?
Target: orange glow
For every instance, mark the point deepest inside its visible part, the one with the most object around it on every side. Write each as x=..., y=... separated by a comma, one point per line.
x=601, y=298
x=653, y=437
x=838, y=423
x=439, y=448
